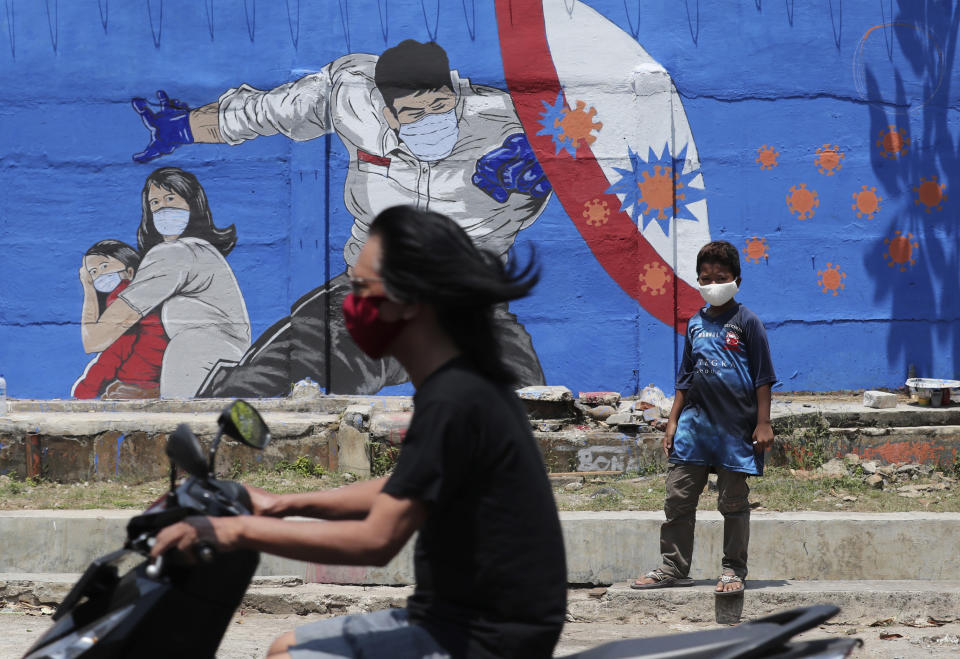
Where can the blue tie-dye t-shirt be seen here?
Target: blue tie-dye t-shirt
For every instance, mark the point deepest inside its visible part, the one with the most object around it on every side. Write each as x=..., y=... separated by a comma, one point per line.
x=725, y=359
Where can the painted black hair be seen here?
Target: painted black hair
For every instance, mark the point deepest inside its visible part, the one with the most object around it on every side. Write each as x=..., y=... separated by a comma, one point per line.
x=411, y=67
x=722, y=253
x=116, y=249
x=428, y=258
x=200, y=225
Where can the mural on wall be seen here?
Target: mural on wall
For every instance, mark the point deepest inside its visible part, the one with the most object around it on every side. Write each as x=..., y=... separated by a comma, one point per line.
x=172, y=318
x=417, y=133
x=830, y=167
x=130, y=366
x=623, y=150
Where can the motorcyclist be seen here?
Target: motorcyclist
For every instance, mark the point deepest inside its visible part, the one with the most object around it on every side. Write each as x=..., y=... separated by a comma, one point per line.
x=489, y=560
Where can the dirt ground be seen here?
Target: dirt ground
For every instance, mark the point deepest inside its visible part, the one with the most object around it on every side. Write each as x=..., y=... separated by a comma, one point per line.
x=249, y=636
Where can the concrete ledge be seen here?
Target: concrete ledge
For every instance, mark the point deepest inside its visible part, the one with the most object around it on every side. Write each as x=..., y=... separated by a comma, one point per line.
x=842, y=414
x=861, y=602
x=602, y=547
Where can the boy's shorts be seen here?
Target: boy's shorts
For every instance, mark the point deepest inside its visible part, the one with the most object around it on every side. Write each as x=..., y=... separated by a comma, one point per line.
x=383, y=634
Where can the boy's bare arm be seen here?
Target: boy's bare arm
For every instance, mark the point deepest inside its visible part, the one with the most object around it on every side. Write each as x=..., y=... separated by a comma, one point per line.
x=763, y=434
x=678, y=400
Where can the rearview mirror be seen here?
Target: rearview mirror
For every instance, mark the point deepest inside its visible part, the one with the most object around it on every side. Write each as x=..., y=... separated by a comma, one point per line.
x=184, y=450
x=244, y=424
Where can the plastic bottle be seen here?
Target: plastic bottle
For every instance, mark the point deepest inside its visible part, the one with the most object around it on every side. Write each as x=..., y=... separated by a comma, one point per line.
x=3, y=396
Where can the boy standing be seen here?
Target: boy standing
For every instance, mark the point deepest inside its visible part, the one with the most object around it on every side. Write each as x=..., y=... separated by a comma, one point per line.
x=720, y=421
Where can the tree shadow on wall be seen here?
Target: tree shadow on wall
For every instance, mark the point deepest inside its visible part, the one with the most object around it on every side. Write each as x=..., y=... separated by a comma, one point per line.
x=916, y=270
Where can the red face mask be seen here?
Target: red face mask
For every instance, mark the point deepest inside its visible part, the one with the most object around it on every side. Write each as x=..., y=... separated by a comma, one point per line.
x=371, y=333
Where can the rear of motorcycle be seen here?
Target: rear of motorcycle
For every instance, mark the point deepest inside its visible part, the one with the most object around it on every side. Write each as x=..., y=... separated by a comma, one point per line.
x=125, y=606
x=770, y=637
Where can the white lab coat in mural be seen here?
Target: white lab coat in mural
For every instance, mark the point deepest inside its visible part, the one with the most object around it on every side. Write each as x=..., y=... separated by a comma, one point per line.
x=383, y=172
x=201, y=307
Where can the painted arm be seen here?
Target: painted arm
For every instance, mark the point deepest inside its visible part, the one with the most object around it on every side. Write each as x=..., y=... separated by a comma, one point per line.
x=298, y=109
x=350, y=502
x=372, y=541
x=678, y=401
x=763, y=434
x=99, y=333
x=205, y=124
x=174, y=124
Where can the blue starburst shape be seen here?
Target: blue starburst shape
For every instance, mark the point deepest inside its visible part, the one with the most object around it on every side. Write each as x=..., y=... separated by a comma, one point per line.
x=550, y=120
x=648, y=188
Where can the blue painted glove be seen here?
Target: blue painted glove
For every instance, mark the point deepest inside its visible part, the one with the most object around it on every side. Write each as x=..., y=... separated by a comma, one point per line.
x=169, y=127
x=511, y=168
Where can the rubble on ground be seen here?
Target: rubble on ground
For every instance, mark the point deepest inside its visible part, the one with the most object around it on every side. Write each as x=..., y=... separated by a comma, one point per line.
x=898, y=476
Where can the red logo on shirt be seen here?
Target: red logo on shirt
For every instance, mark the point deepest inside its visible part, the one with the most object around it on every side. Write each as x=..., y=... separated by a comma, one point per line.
x=372, y=159
x=732, y=342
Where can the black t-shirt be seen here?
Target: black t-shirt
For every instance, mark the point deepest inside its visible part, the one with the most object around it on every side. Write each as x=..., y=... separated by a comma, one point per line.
x=489, y=560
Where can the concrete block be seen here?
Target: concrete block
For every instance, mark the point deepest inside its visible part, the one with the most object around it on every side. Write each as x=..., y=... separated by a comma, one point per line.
x=306, y=389
x=389, y=426
x=600, y=398
x=545, y=394
x=602, y=547
x=620, y=418
x=600, y=412
x=879, y=399
x=353, y=453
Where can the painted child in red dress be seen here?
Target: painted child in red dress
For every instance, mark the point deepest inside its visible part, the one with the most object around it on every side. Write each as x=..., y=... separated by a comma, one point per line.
x=130, y=367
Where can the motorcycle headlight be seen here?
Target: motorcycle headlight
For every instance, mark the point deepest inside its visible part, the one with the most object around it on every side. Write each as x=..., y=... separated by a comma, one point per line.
x=76, y=643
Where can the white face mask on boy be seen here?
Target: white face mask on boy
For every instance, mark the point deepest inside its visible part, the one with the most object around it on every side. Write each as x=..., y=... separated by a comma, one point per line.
x=717, y=295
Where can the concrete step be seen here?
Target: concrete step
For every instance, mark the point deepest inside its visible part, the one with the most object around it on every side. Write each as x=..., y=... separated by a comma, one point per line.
x=69, y=441
x=861, y=602
x=602, y=547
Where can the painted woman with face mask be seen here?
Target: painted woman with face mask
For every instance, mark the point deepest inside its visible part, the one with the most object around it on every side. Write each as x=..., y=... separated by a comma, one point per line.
x=184, y=276
x=130, y=367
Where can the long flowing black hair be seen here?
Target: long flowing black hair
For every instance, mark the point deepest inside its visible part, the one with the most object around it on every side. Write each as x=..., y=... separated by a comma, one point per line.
x=115, y=249
x=428, y=258
x=200, y=225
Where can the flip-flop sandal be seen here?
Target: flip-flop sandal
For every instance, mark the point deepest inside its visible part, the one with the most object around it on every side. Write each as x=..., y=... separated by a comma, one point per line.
x=730, y=578
x=661, y=580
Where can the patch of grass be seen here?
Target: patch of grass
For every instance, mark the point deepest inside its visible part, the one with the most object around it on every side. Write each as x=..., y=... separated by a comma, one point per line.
x=302, y=466
x=777, y=490
x=46, y=495
x=383, y=458
x=804, y=442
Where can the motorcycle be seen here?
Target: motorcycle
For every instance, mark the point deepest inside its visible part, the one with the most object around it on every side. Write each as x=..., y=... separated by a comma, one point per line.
x=768, y=637
x=124, y=605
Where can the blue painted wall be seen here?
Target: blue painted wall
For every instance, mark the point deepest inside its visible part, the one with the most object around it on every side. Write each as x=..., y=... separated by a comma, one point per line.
x=794, y=76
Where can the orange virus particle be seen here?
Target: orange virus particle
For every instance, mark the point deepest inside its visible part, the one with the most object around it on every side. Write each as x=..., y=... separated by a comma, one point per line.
x=831, y=279
x=756, y=249
x=658, y=190
x=767, y=157
x=866, y=202
x=654, y=278
x=901, y=251
x=930, y=194
x=577, y=124
x=828, y=159
x=596, y=212
x=893, y=142
x=802, y=202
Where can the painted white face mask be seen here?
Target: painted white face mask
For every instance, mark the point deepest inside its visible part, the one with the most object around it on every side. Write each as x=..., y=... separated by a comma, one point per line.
x=107, y=282
x=171, y=221
x=717, y=295
x=433, y=136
